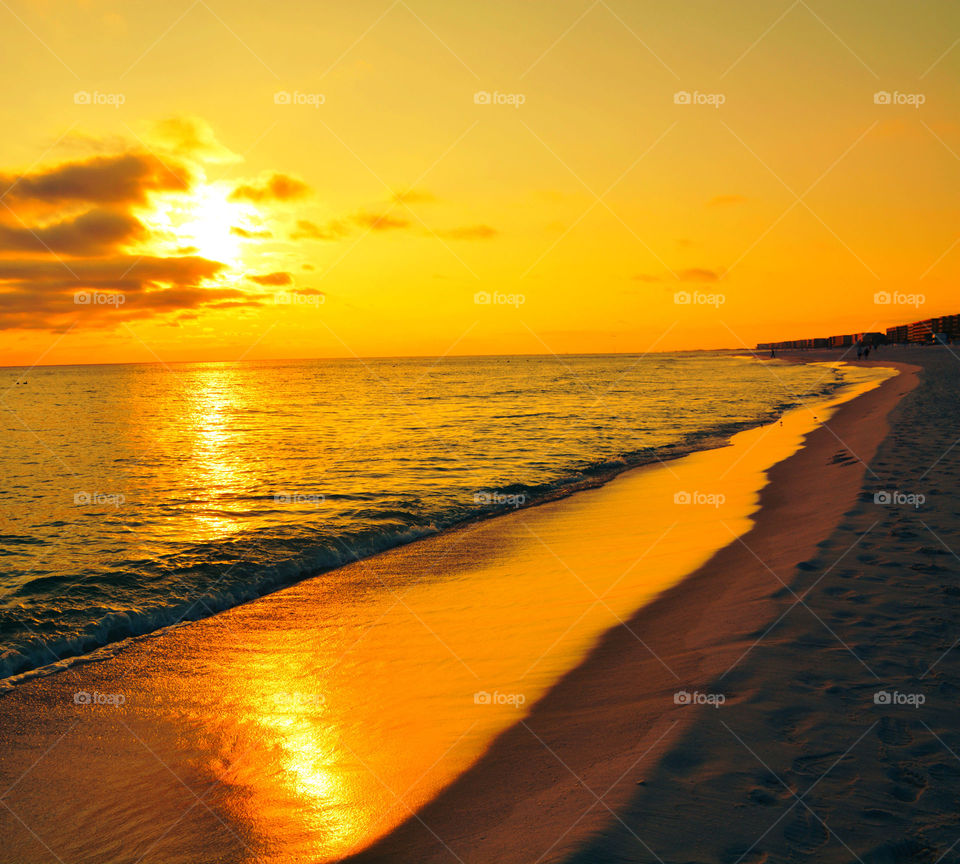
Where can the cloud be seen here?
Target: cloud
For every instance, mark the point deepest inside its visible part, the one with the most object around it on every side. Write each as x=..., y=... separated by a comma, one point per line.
x=307, y=230
x=93, y=233
x=123, y=179
x=690, y=274
x=70, y=231
x=279, y=278
x=699, y=274
x=121, y=272
x=414, y=196
x=42, y=294
x=271, y=187
x=380, y=221
x=470, y=232
x=723, y=200
x=192, y=136
x=250, y=235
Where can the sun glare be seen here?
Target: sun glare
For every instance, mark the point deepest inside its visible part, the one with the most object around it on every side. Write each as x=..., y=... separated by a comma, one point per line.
x=200, y=223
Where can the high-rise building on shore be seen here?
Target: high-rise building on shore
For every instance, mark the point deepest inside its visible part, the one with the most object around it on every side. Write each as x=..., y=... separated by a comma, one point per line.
x=944, y=328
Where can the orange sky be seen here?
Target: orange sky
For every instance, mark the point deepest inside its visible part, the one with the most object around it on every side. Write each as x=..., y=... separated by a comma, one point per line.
x=200, y=180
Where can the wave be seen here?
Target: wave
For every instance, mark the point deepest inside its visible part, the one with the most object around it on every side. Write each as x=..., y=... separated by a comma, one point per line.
x=257, y=565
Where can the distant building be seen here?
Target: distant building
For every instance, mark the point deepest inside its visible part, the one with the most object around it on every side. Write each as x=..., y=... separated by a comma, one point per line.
x=920, y=331
x=945, y=328
x=898, y=333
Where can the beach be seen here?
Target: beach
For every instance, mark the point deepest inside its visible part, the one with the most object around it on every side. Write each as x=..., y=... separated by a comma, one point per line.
x=435, y=723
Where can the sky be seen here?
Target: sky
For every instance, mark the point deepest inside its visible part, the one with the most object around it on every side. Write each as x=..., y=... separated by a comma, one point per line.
x=203, y=180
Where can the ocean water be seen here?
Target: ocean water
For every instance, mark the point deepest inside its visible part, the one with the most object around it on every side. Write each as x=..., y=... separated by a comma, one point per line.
x=136, y=497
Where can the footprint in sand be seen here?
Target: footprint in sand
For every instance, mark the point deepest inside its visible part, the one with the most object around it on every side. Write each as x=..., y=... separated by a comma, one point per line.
x=910, y=781
x=816, y=766
x=806, y=833
x=894, y=732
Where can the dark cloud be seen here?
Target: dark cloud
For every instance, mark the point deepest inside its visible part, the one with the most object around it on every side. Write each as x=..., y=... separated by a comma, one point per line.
x=273, y=187
x=42, y=294
x=127, y=178
x=278, y=278
x=121, y=272
x=93, y=233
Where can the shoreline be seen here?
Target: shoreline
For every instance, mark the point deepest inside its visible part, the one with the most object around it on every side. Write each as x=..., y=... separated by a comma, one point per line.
x=562, y=775
x=594, y=476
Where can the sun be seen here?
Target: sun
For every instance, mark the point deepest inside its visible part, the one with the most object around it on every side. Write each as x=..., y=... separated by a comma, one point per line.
x=201, y=224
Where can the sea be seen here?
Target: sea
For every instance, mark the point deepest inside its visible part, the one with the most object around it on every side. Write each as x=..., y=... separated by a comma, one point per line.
x=138, y=497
